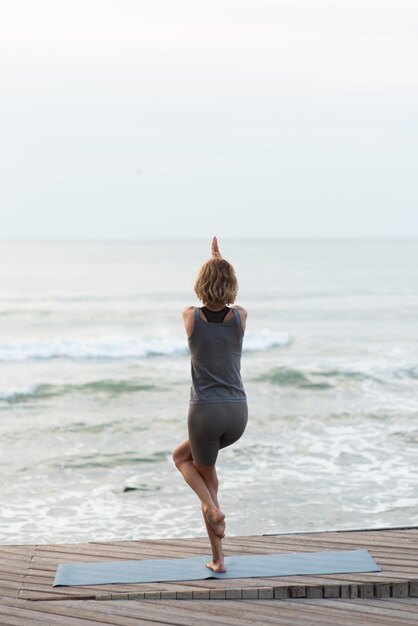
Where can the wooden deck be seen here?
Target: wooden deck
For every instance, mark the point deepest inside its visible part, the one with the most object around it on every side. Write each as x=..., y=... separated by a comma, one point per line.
x=386, y=597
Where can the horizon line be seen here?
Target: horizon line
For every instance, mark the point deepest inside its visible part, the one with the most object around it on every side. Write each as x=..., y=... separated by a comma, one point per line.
x=200, y=238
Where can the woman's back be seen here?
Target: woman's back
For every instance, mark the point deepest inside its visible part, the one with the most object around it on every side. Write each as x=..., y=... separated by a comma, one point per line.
x=215, y=350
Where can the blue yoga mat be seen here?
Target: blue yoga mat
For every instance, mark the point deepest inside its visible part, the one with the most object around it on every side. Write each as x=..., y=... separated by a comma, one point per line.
x=194, y=568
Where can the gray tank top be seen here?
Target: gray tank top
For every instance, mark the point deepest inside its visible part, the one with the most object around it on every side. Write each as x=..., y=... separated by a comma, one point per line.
x=215, y=351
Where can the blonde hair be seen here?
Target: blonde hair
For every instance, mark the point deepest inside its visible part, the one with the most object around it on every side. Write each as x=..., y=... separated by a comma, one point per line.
x=216, y=282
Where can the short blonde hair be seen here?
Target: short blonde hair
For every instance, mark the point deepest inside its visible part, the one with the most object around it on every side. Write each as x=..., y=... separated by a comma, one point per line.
x=216, y=282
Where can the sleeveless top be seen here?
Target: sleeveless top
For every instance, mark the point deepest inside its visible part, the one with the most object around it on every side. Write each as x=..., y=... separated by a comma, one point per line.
x=215, y=316
x=215, y=351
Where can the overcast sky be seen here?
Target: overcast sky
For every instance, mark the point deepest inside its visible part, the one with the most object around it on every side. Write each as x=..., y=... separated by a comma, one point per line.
x=184, y=118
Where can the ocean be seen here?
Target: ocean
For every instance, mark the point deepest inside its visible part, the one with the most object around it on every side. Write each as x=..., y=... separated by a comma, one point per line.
x=95, y=382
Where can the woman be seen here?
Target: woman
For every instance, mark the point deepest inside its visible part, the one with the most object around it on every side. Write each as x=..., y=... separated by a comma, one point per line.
x=218, y=411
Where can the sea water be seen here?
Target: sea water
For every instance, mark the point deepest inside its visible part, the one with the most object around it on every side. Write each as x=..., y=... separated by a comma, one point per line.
x=95, y=382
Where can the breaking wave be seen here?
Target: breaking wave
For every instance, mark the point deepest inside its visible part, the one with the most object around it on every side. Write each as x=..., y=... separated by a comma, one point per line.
x=118, y=347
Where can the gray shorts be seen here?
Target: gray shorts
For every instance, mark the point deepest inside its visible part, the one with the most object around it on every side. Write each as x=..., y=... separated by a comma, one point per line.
x=214, y=425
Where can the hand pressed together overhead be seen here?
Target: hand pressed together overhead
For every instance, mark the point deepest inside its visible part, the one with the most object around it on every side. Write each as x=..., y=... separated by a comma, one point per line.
x=215, y=249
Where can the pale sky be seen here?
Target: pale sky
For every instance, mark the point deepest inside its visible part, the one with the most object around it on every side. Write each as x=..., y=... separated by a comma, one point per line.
x=184, y=118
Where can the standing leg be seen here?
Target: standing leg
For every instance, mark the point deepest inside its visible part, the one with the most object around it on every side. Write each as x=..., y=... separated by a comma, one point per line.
x=182, y=457
x=211, y=479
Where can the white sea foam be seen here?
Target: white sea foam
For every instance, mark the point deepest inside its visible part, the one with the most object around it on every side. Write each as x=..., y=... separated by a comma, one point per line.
x=110, y=347
x=17, y=392
x=265, y=339
x=120, y=347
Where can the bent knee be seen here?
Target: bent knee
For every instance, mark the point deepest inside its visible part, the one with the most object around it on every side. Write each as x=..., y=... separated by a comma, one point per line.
x=179, y=457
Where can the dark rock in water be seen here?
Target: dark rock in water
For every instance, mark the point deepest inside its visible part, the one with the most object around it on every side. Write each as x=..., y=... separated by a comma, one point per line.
x=143, y=487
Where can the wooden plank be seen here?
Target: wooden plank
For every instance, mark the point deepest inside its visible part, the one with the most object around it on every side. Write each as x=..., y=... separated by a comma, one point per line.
x=359, y=614
x=403, y=528
x=17, y=548
x=295, y=615
x=352, y=535
x=301, y=615
x=382, y=547
x=10, y=584
x=9, y=593
x=18, y=620
x=389, y=616
x=229, y=613
x=313, y=544
x=256, y=612
x=115, y=552
x=13, y=567
x=315, y=611
x=353, y=538
x=409, y=600
x=15, y=558
x=336, y=614
x=17, y=563
x=55, y=610
x=11, y=575
x=404, y=605
x=44, y=615
x=150, y=543
x=111, y=614
x=10, y=567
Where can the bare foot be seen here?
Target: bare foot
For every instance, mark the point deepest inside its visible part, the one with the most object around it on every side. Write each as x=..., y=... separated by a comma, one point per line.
x=216, y=566
x=216, y=519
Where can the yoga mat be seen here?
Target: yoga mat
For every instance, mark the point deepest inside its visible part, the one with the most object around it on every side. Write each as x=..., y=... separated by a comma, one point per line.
x=194, y=568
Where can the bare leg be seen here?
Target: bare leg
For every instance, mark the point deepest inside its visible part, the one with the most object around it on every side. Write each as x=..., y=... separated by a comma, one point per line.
x=184, y=462
x=217, y=565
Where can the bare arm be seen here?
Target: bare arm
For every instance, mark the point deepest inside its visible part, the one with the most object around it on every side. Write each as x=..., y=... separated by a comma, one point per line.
x=242, y=312
x=188, y=319
x=243, y=315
